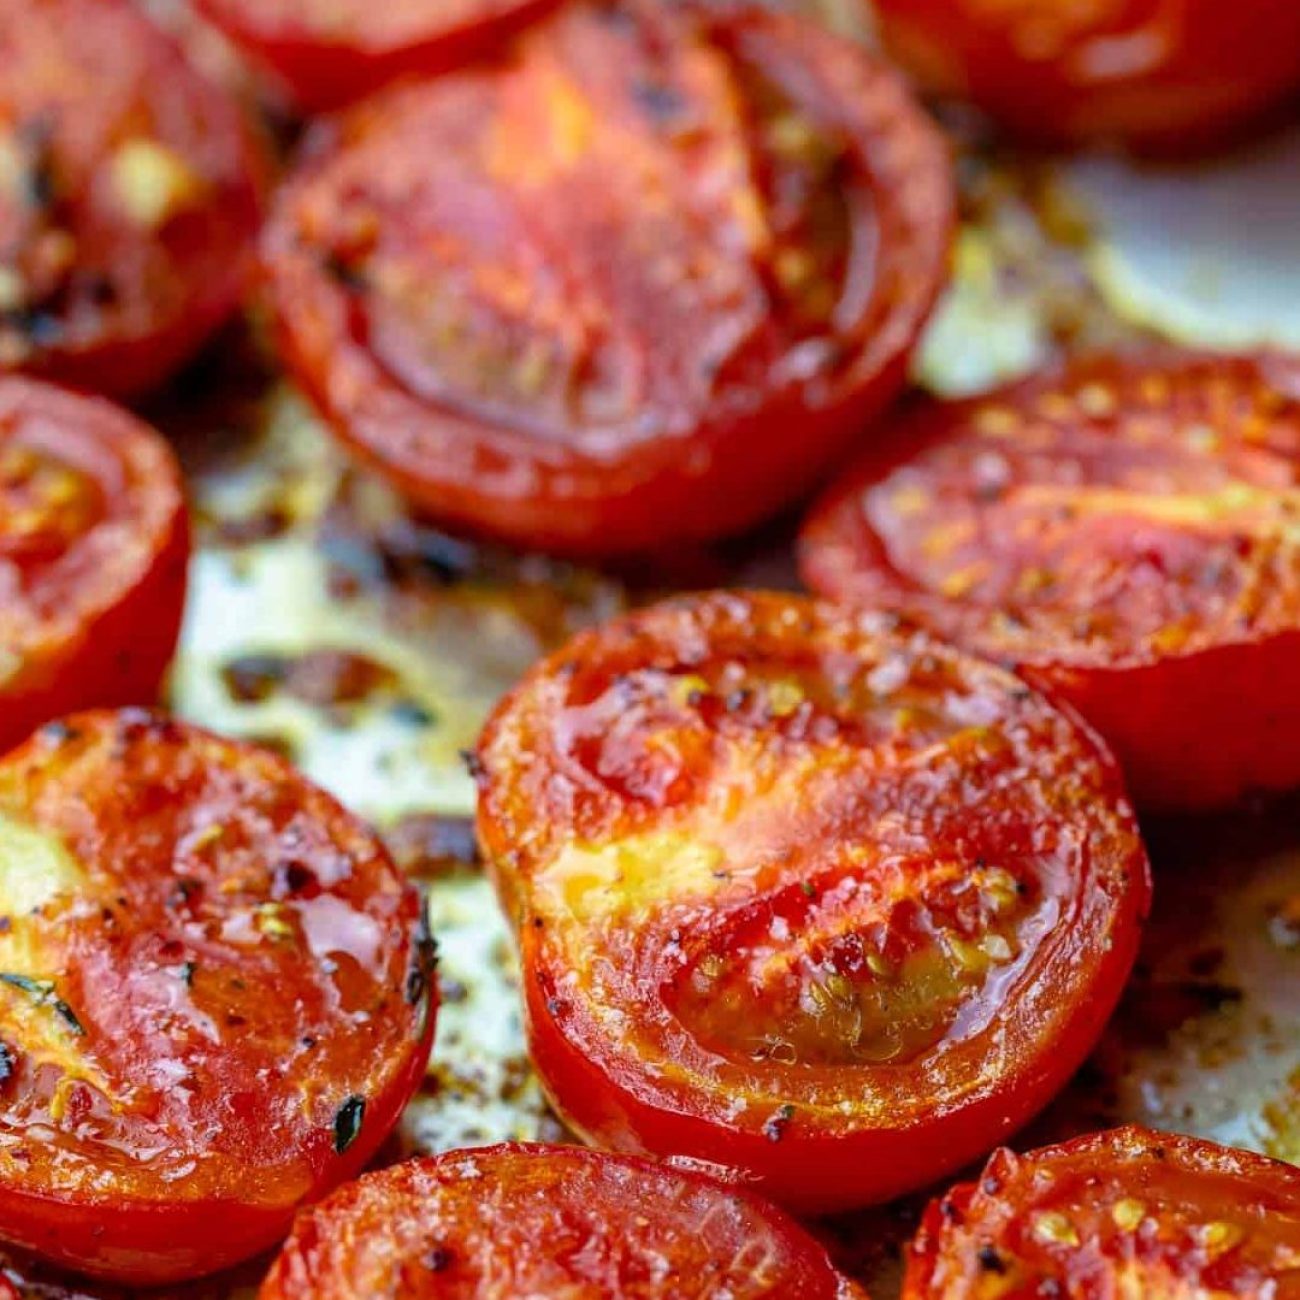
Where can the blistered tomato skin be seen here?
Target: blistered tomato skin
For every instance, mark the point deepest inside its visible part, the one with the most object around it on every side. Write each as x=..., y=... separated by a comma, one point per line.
x=526, y=1220
x=803, y=893
x=1172, y=74
x=327, y=53
x=1124, y=1213
x=1125, y=534
x=129, y=197
x=215, y=997
x=579, y=300
x=93, y=550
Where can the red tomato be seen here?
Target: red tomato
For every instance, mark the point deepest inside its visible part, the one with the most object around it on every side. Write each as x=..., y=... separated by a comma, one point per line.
x=580, y=301
x=521, y=1220
x=329, y=52
x=804, y=894
x=214, y=996
x=128, y=196
x=1124, y=533
x=1163, y=72
x=1125, y=1213
x=93, y=548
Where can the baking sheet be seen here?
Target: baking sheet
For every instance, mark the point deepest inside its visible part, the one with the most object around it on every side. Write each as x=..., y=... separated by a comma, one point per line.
x=325, y=620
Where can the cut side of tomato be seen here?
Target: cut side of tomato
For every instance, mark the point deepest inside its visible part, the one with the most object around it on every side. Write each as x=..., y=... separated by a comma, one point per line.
x=326, y=53
x=1125, y=533
x=532, y=1220
x=215, y=997
x=93, y=550
x=1175, y=74
x=1124, y=1213
x=579, y=301
x=129, y=197
x=803, y=892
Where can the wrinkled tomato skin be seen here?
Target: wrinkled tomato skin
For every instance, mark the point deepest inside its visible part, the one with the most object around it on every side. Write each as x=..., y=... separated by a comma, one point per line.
x=1168, y=76
x=130, y=199
x=95, y=623
x=734, y=834
x=532, y=1220
x=323, y=70
x=1126, y=1212
x=224, y=967
x=622, y=409
x=1200, y=617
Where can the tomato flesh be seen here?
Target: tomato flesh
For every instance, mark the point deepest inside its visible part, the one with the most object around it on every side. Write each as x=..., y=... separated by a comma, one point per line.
x=93, y=549
x=214, y=996
x=1128, y=1213
x=1171, y=74
x=803, y=894
x=577, y=301
x=539, y=1221
x=129, y=197
x=1123, y=533
x=330, y=52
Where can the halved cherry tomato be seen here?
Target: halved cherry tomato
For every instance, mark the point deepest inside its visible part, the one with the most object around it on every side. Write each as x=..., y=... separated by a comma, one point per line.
x=93, y=548
x=330, y=52
x=804, y=894
x=1124, y=1213
x=1165, y=72
x=523, y=1220
x=641, y=282
x=128, y=196
x=215, y=996
x=1125, y=533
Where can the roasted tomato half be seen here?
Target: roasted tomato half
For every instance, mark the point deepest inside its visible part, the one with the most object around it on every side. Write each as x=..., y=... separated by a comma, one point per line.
x=93, y=547
x=640, y=282
x=215, y=996
x=329, y=52
x=804, y=894
x=521, y=1220
x=128, y=196
x=1133, y=1213
x=1127, y=534
x=1170, y=73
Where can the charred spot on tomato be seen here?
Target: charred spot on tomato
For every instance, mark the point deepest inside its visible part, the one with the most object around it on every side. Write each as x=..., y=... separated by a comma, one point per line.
x=347, y=1123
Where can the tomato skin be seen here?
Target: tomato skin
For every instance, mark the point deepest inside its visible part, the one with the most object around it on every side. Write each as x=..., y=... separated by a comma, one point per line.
x=130, y=200
x=1147, y=72
x=325, y=68
x=1126, y=1212
x=173, y=1116
x=617, y=413
x=526, y=1219
x=96, y=622
x=1166, y=606
x=753, y=850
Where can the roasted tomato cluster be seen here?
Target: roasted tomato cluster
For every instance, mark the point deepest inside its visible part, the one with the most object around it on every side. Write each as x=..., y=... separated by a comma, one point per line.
x=1166, y=73
x=818, y=902
x=582, y=300
x=215, y=996
x=1126, y=534
x=129, y=196
x=804, y=893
